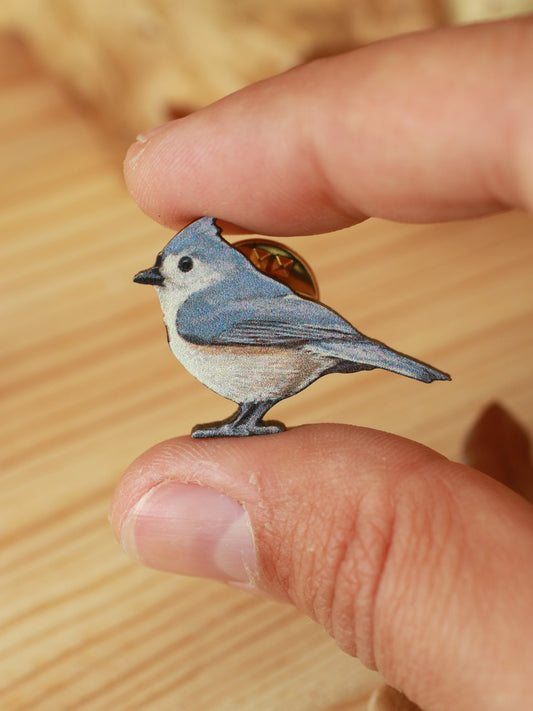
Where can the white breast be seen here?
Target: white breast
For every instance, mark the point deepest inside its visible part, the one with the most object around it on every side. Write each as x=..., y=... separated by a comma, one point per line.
x=249, y=373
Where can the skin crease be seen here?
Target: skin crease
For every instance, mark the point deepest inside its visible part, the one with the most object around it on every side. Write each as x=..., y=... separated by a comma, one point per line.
x=420, y=566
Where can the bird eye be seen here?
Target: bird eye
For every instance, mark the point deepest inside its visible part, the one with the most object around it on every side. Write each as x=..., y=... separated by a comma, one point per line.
x=185, y=264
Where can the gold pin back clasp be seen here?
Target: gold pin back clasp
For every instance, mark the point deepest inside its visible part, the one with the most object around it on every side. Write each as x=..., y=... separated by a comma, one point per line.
x=281, y=263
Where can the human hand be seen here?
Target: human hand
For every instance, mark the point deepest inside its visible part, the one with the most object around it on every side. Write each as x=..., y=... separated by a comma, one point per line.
x=419, y=566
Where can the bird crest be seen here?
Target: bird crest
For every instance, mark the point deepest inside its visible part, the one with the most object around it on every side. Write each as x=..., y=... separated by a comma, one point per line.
x=201, y=235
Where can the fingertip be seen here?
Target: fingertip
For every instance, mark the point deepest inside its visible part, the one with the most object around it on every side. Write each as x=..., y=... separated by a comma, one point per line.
x=145, y=472
x=280, y=481
x=143, y=173
x=382, y=541
x=138, y=170
x=327, y=144
x=192, y=530
x=251, y=146
x=218, y=464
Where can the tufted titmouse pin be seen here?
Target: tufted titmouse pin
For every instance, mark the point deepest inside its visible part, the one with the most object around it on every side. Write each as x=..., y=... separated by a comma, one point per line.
x=250, y=338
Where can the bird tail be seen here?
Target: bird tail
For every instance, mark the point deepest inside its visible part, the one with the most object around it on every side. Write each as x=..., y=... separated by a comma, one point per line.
x=367, y=354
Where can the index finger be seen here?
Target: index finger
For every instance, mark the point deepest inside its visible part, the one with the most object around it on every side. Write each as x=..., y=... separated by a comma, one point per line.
x=426, y=127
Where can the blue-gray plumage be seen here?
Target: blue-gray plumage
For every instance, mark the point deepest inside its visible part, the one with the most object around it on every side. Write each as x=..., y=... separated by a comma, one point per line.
x=250, y=338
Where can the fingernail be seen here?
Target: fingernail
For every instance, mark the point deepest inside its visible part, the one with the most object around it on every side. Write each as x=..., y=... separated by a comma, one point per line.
x=143, y=137
x=191, y=530
x=137, y=148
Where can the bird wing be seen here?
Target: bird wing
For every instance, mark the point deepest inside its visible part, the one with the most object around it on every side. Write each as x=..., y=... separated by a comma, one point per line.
x=286, y=321
x=289, y=321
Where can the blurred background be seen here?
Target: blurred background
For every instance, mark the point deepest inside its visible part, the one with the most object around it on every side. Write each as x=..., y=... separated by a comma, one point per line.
x=88, y=382
x=139, y=63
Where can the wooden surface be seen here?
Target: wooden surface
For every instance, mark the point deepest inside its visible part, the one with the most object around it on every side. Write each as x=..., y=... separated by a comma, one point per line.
x=165, y=58
x=88, y=383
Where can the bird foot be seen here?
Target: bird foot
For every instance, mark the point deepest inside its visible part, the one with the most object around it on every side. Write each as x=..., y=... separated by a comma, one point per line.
x=231, y=429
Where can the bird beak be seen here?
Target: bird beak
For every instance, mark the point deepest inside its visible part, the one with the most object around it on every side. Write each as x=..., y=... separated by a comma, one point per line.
x=150, y=276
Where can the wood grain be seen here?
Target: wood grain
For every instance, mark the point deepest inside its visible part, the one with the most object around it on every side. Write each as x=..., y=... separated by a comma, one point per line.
x=88, y=383
x=140, y=63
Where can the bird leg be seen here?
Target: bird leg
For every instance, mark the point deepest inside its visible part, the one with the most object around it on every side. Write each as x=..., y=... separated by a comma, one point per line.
x=243, y=423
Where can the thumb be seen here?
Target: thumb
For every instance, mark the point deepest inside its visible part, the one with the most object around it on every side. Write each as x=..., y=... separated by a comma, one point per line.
x=419, y=566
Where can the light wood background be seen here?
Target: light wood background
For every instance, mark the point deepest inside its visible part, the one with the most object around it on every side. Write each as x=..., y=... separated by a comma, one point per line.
x=140, y=63
x=88, y=383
